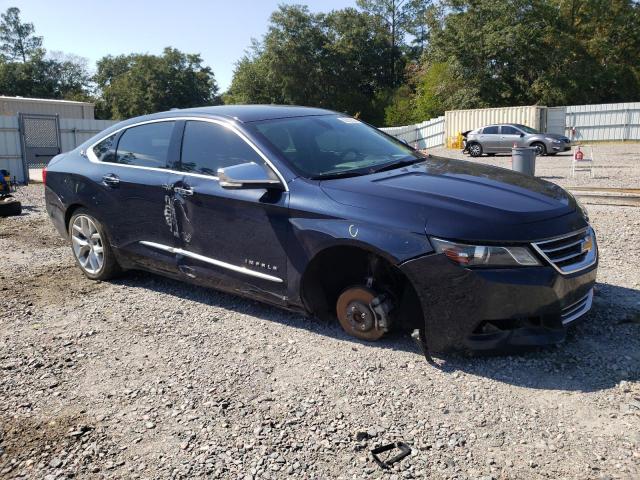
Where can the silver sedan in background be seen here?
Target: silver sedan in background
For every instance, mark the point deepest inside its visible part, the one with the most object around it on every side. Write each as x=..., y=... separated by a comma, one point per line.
x=494, y=139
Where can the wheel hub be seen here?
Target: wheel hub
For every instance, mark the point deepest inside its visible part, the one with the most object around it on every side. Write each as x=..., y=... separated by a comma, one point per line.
x=360, y=316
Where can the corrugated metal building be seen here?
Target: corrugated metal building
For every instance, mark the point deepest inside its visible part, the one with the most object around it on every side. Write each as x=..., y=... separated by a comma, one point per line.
x=33, y=130
x=10, y=149
x=62, y=108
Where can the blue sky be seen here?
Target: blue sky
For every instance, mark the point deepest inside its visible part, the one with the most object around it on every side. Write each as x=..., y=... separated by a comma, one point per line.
x=220, y=30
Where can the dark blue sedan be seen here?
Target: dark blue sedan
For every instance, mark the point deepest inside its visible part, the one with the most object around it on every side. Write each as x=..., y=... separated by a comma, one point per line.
x=318, y=212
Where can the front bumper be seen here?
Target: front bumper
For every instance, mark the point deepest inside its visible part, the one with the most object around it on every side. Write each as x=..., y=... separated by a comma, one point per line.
x=497, y=309
x=558, y=147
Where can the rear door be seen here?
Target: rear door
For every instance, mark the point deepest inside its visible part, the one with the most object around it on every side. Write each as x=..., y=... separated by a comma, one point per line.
x=509, y=136
x=490, y=139
x=135, y=174
x=234, y=238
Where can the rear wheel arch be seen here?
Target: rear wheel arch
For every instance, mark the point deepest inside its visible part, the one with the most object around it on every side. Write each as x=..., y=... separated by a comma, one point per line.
x=71, y=209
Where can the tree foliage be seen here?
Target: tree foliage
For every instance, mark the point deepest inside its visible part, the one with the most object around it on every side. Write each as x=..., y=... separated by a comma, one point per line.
x=519, y=52
x=389, y=61
x=18, y=39
x=27, y=70
x=325, y=60
x=138, y=84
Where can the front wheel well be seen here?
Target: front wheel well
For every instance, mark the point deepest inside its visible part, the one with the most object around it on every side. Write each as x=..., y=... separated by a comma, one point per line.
x=337, y=268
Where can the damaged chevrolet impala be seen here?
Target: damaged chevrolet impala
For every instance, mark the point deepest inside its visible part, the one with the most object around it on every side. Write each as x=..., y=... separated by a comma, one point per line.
x=318, y=212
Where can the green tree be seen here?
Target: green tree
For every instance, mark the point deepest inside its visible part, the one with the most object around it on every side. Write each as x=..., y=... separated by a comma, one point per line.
x=252, y=80
x=17, y=38
x=398, y=17
x=57, y=76
x=324, y=60
x=520, y=52
x=138, y=84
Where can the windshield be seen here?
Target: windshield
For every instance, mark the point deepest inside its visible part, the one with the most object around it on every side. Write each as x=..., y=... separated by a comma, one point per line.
x=333, y=146
x=526, y=129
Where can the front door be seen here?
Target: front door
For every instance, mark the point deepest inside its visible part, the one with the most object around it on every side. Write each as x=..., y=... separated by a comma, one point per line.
x=232, y=238
x=509, y=136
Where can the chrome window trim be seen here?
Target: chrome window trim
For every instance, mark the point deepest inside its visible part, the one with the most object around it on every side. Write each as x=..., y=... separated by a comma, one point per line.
x=94, y=159
x=212, y=261
x=589, y=260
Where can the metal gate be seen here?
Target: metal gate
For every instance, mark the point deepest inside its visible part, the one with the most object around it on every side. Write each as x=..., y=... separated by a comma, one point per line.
x=40, y=139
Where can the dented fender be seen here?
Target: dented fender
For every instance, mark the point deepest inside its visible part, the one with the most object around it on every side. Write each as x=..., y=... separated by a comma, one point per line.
x=312, y=236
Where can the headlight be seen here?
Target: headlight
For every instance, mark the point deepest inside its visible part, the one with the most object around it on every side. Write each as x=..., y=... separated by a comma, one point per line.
x=553, y=140
x=485, y=256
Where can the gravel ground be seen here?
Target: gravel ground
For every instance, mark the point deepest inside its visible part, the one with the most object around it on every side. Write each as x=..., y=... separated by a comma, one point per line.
x=145, y=377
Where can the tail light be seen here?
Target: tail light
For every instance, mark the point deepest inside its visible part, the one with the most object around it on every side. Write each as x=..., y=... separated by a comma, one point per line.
x=44, y=176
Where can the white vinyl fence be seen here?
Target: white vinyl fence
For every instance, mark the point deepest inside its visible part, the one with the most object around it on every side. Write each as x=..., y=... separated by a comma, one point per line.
x=73, y=132
x=422, y=135
x=613, y=121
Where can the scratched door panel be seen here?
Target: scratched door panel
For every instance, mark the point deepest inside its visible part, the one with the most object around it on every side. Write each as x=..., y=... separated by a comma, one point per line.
x=244, y=231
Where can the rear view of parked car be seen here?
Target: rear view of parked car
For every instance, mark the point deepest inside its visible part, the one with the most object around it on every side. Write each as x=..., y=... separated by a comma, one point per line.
x=318, y=212
x=494, y=139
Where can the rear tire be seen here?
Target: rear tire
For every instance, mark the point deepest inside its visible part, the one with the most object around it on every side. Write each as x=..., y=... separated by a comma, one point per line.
x=541, y=150
x=91, y=247
x=475, y=150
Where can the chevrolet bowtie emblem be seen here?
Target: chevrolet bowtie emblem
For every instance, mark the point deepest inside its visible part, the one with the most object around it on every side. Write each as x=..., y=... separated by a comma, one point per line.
x=587, y=244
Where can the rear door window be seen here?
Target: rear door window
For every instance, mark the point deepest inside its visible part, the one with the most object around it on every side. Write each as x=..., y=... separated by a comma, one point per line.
x=145, y=145
x=207, y=146
x=105, y=151
x=493, y=130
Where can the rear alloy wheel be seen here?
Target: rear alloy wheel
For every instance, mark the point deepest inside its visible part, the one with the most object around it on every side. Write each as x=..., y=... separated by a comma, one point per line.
x=475, y=150
x=540, y=149
x=91, y=248
x=356, y=315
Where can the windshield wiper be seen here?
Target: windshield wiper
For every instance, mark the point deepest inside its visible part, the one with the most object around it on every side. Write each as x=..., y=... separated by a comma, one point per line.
x=396, y=164
x=342, y=174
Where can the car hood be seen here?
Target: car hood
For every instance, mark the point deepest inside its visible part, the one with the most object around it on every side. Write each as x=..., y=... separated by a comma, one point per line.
x=463, y=200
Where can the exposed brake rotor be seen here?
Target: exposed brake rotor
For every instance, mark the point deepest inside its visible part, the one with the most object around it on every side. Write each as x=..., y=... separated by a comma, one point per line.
x=356, y=315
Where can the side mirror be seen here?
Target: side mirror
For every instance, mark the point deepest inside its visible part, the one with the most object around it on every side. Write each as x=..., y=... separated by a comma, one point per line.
x=247, y=176
x=521, y=135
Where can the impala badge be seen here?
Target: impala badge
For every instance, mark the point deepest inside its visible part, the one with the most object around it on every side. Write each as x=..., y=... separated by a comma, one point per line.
x=259, y=264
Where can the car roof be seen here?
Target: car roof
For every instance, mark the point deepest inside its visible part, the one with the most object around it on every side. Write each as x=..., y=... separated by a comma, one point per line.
x=246, y=113
x=238, y=113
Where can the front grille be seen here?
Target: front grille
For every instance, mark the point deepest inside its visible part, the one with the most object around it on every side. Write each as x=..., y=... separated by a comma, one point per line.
x=570, y=253
x=577, y=309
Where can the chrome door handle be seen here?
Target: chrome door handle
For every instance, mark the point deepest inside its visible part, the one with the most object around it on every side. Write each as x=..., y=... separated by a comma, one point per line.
x=183, y=191
x=111, y=180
